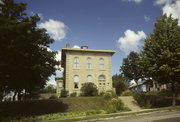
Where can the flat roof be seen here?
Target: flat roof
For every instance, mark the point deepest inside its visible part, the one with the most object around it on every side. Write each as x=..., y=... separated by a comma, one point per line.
x=88, y=50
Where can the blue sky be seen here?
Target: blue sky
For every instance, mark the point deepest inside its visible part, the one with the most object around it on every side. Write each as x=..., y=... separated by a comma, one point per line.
x=119, y=25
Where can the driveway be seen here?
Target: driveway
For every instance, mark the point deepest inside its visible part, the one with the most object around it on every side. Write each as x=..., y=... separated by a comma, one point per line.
x=163, y=116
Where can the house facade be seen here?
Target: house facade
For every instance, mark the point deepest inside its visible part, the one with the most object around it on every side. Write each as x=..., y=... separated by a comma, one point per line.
x=82, y=65
x=146, y=86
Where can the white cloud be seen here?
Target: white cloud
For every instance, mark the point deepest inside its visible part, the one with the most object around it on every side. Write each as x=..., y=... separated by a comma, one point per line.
x=52, y=81
x=131, y=41
x=162, y=2
x=58, y=56
x=172, y=8
x=76, y=46
x=55, y=28
x=146, y=18
x=136, y=1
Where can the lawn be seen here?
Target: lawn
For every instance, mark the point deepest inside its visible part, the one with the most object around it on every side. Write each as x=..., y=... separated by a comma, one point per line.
x=40, y=107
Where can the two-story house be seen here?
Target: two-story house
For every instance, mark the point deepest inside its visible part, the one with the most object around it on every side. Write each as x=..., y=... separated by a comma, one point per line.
x=82, y=65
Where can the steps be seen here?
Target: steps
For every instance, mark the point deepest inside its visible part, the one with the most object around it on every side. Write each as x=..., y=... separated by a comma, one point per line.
x=130, y=103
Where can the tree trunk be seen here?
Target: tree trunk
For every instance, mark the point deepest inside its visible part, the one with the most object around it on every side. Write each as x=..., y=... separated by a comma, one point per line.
x=173, y=94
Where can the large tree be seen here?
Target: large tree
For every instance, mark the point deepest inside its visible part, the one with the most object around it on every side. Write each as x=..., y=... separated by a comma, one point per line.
x=130, y=67
x=25, y=62
x=160, y=58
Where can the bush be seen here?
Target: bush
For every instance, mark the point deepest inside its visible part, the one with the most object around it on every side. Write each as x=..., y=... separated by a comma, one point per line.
x=53, y=97
x=128, y=93
x=109, y=95
x=74, y=94
x=118, y=104
x=152, y=100
x=89, y=89
x=64, y=93
x=111, y=108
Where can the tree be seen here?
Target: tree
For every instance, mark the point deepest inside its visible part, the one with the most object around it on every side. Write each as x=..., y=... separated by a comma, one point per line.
x=48, y=89
x=130, y=67
x=160, y=58
x=25, y=62
x=89, y=89
x=119, y=83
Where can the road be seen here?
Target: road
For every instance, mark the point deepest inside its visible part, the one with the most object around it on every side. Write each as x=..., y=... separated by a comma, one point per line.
x=164, y=116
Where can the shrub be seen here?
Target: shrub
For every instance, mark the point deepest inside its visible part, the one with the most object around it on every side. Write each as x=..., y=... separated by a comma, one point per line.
x=111, y=108
x=74, y=94
x=64, y=93
x=53, y=97
x=118, y=104
x=109, y=95
x=89, y=89
x=152, y=100
x=128, y=93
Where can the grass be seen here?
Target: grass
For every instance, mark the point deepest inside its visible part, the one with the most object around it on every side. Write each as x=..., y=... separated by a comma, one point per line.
x=64, y=109
x=19, y=109
x=119, y=114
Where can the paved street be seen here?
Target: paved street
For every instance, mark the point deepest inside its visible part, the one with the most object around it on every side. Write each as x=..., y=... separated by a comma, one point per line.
x=165, y=116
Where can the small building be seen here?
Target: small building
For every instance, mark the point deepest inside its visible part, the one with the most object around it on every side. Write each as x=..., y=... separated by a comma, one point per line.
x=82, y=65
x=59, y=85
x=146, y=86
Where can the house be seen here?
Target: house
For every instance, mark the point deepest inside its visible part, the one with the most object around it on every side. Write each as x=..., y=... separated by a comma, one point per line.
x=145, y=86
x=82, y=65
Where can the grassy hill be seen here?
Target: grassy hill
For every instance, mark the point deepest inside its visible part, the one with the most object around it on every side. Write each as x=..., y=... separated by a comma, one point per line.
x=40, y=107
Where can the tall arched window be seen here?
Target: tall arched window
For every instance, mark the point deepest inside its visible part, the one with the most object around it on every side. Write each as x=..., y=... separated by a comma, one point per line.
x=89, y=78
x=89, y=63
x=76, y=63
x=76, y=81
x=101, y=63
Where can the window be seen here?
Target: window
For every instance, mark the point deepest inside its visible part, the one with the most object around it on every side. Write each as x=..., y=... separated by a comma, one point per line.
x=89, y=63
x=76, y=63
x=89, y=78
x=101, y=63
x=101, y=78
x=76, y=81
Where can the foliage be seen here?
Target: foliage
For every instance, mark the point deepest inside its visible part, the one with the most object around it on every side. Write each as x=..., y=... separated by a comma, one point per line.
x=26, y=63
x=74, y=94
x=130, y=67
x=115, y=104
x=128, y=93
x=108, y=95
x=119, y=83
x=152, y=99
x=48, y=89
x=53, y=97
x=89, y=89
x=64, y=93
x=160, y=56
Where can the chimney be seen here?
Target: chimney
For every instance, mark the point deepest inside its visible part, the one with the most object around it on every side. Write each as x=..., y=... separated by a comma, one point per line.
x=84, y=47
x=67, y=45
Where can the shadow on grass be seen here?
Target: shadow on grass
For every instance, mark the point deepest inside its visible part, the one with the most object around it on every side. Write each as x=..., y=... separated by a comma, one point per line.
x=31, y=108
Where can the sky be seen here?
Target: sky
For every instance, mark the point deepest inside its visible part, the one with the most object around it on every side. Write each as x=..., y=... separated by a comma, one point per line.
x=120, y=25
